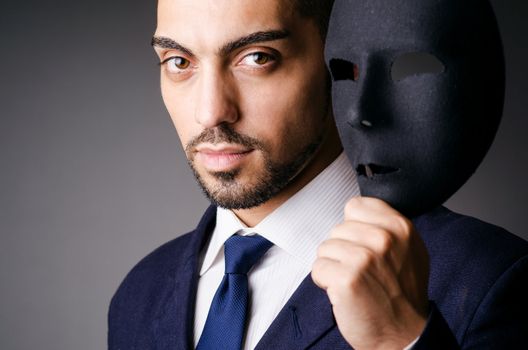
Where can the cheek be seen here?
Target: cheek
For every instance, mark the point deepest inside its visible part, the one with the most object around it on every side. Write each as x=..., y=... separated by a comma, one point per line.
x=180, y=111
x=287, y=112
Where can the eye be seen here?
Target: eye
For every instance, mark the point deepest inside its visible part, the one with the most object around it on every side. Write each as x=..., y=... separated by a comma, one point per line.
x=343, y=70
x=176, y=64
x=257, y=59
x=415, y=63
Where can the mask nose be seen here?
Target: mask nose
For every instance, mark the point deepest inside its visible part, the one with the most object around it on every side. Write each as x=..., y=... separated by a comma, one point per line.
x=357, y=115
x=361, y=104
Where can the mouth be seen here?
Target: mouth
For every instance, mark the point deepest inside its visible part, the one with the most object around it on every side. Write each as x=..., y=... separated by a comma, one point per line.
x=221, y=157
x=372, y=170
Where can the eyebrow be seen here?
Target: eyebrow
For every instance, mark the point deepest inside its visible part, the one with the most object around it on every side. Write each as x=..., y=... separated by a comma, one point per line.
x=167, y=43
x=253, y=38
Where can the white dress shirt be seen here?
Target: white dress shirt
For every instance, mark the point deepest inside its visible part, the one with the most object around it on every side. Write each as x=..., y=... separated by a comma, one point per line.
x=296, y=229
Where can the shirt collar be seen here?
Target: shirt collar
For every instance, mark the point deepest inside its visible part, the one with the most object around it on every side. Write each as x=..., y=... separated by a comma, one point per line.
x=301, y=223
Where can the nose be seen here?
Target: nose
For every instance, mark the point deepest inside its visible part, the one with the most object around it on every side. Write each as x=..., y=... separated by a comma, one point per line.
x=216, y=102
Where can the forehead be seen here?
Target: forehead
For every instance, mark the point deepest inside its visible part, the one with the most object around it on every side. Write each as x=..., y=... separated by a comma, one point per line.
x=205, y=23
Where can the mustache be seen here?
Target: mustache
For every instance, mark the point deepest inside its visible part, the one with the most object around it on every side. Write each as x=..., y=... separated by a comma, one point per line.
x=223, y=133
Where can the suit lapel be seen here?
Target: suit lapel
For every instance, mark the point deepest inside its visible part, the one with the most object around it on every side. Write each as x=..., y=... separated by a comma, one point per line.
x=174, y=323
x=303, y=320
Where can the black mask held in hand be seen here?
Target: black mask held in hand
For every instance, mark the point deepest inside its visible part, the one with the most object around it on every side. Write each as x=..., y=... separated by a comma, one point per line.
x=418, y=90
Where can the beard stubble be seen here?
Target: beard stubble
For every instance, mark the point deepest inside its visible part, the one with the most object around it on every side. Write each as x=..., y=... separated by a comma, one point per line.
x=229, y=192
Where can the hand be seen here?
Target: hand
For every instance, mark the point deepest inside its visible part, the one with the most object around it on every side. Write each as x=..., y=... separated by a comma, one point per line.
x=374, y=268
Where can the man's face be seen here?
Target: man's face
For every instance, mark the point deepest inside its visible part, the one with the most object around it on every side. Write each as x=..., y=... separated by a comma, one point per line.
x=245, y=85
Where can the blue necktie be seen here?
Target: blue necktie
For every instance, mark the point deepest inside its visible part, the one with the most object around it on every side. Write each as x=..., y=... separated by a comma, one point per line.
x=226, y=320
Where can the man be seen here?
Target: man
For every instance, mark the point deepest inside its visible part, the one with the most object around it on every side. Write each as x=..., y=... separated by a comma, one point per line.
x=246, y=87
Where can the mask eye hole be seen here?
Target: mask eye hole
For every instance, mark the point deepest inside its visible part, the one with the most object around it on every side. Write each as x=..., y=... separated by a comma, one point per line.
x=343, y=70
x=415, y=63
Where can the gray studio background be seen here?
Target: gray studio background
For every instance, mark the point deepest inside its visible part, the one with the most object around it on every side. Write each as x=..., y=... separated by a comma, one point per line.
x=93, y=177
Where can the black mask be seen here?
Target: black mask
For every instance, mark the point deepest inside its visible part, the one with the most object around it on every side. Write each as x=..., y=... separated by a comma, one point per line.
x=418, y=89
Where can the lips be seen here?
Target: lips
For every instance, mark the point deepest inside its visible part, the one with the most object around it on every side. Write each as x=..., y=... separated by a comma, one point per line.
x=371, y=170
x=221, y=157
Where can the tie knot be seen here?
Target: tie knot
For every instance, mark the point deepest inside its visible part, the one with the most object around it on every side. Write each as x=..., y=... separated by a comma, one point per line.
x=242, y=252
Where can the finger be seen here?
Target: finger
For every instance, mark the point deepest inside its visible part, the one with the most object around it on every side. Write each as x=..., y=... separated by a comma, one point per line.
x=374, y=237
x=330, y=274
x=377, y=212
x=357, y=261
x=339, y=281
x=326, y=271
x=345, y=251
x=379, y=240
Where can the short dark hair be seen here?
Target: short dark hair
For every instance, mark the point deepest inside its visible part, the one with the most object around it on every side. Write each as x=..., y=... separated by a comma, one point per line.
x=319, y=10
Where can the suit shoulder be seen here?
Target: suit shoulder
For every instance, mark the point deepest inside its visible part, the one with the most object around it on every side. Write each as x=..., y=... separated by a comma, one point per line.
x=145, y=290
x=468, y=259
x=159, y=282
x=163, y=257
x=447, y=232
x=466, y=253
x=171, y=256
x=149, y=271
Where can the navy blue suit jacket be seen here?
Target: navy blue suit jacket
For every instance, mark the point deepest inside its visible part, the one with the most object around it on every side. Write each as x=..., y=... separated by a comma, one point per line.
x=478, y=290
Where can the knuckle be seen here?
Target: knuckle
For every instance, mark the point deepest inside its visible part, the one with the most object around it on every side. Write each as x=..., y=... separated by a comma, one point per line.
x=317, y=276
x=316, y=267
x=322, y=249
x=384, y=242
x=364, y=259
x=404, y=225
x=381, y=239
x=314, y=273
x=350, y=279
x=350, y=207
x=353, y=204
